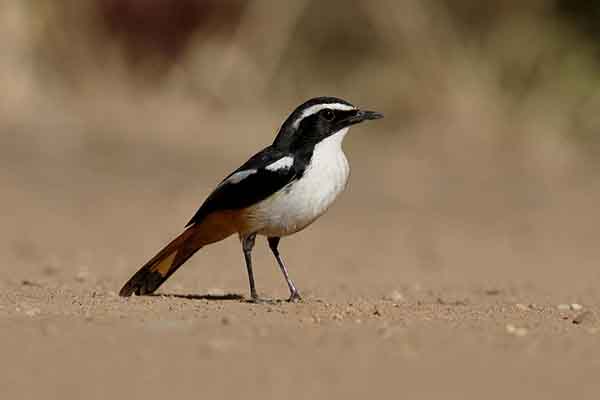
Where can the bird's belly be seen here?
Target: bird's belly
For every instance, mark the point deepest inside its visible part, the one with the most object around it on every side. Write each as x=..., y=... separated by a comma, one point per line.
x=301, y=202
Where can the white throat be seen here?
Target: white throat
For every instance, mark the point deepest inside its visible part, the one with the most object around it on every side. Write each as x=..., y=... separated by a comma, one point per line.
x=332, y=143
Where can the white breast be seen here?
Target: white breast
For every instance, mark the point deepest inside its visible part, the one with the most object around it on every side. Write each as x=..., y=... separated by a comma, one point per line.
x=301, y=202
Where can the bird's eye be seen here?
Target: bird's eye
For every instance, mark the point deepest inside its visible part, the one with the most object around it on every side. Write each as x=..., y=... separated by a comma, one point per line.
x=328, y=114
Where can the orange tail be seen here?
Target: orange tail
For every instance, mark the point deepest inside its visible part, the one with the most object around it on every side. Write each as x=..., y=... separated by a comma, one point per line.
x=214, y=227
x=162, y=265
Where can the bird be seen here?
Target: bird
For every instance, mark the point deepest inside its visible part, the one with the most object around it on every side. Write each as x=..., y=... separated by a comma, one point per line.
x=279, y=191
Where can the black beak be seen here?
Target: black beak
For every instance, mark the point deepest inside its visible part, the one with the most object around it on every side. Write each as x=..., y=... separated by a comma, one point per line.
x=360, y=116
x=365, y=115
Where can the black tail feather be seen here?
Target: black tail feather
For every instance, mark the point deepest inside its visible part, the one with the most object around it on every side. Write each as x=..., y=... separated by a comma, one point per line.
x=161, y=267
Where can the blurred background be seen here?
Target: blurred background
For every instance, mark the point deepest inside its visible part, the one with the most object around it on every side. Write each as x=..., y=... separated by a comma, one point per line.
x=117, y=118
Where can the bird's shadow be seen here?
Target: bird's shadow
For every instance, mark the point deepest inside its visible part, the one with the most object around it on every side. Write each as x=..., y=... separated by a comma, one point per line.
x=210, y=297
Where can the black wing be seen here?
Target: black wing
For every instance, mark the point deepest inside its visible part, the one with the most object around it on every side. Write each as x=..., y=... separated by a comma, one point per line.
x=252, y=188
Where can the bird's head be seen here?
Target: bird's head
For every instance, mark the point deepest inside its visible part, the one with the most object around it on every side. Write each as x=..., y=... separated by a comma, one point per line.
x=318, y=119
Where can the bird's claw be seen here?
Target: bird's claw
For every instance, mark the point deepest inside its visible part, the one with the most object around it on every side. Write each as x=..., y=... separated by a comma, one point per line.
x=260, y=300
x=295, y=298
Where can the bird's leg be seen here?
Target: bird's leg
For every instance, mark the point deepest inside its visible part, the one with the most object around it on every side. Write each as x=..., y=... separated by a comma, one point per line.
x=294, y=294
x=247, y=246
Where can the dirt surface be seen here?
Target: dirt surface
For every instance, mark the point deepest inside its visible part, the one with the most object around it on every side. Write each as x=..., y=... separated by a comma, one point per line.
x=414, y=287
x=79, y=340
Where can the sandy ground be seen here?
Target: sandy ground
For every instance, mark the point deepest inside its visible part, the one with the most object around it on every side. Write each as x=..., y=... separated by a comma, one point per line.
x=460, y=278
x=78, y=340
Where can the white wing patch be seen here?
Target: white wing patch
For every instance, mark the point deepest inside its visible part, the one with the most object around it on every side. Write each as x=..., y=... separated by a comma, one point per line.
x=283, y=163
x=238, y=176
x=318, y=107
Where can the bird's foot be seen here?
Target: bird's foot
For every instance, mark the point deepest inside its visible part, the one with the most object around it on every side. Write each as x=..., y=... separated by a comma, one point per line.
x=295, y=297
x=255, y=299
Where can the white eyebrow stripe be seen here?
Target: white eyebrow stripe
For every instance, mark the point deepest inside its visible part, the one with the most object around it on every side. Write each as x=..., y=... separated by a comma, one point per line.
x=238, y=177
x=283, y=163
x=318, y=107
